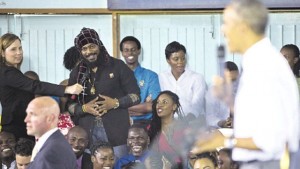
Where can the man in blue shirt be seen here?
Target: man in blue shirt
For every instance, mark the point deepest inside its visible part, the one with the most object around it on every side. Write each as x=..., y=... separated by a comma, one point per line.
x=147, y=81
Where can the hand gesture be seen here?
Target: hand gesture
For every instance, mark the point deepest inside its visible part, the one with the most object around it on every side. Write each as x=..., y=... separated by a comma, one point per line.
x=92, y=107
x=74, y=89
x=106, y=104
x=208, y=142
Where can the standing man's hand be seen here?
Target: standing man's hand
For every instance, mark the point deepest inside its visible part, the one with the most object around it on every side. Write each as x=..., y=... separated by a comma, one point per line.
x=107, y=103
x=208, y=142
x=91, y=107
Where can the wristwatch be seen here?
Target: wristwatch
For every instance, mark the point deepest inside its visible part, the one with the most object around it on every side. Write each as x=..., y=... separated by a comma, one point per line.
x=117, y=103
x=230, y=142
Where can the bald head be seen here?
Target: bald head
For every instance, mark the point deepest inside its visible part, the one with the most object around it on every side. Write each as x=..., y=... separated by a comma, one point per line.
x=79, y=130
x=42, y=116
x=45, y=104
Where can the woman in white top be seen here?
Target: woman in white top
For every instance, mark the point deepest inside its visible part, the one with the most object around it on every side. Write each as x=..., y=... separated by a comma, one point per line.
x=188, y=85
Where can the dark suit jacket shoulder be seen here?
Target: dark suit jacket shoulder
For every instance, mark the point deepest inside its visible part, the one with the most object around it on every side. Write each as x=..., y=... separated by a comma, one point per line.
x=56, y=153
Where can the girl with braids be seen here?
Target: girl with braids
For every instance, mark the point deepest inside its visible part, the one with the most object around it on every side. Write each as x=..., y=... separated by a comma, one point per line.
x=102, y=155
x=166, y=133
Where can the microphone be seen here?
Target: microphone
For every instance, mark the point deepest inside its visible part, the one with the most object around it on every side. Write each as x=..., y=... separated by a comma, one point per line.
x=221, y=60
x=83, y=79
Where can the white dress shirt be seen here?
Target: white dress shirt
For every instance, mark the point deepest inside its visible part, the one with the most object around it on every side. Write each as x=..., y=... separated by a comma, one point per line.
x=190, y=88
x=266, y=104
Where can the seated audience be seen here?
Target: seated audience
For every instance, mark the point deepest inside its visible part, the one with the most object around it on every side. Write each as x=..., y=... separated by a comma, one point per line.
x=102, y=155
x=138, y=142
x=7, y=149
x=78, y=139
x=23, y=152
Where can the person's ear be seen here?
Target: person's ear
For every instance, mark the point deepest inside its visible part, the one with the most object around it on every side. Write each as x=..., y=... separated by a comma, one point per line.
x=174, y=107
x=243, y=27
x=86, y=142
x=169, y=62
x=128, y=143
x=50, y=118
x=93, y=159
x=148, y=141
x=296, y=60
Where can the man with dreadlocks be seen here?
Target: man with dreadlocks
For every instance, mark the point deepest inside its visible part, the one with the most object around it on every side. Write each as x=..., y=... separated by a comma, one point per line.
x=109, y=89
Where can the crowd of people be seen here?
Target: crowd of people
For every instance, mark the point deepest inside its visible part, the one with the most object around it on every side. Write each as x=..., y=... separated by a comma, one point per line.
x=111, y=114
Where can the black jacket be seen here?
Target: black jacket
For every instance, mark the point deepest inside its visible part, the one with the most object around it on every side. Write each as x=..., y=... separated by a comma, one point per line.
x=113, y=79
x=16, y=91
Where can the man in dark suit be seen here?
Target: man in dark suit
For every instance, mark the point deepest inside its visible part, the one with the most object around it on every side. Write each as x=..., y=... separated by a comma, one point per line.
x=78, y=139
x=52, y=149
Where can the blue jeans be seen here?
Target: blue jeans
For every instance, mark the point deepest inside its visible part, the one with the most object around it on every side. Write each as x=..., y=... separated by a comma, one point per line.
x=98, y=132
